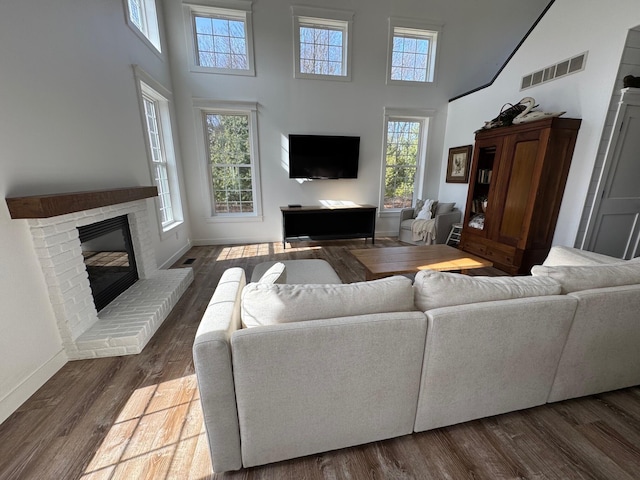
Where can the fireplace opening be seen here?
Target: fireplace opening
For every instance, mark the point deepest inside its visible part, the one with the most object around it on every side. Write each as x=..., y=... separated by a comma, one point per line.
x=108, y=256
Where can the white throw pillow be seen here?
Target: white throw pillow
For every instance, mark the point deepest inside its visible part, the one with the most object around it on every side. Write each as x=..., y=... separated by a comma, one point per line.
x=264, y=304
x=276, y=273
x=425, y=212
x=434, y=289
x=576, y=278
x=420, y=204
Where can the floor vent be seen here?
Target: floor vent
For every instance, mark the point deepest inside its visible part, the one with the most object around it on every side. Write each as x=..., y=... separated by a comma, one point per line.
x=560, y=69
x=189, y=261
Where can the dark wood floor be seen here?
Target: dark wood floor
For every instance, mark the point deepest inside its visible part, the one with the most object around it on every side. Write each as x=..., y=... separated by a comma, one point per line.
x=139, y=417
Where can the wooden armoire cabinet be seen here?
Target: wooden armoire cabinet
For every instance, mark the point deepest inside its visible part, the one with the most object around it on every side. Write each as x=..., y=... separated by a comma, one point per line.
x=517, y=180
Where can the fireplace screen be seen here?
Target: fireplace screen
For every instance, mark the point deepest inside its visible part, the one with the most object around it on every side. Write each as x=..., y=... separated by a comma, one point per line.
x=108, y=257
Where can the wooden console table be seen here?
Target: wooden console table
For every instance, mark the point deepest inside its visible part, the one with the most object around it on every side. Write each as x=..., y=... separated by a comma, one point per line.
x=328, y=222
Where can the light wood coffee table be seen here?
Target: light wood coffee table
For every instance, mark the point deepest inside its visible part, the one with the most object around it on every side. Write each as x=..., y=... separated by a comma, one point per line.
x=383, y=262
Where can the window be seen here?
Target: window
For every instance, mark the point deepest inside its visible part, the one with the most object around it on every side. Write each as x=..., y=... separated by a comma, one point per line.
x=158, y=159
x=412, y=52
x=222, y=39
x=321, y=39
x=143, y=19
x=404, y=154
x=157, y=125
x=231, y=154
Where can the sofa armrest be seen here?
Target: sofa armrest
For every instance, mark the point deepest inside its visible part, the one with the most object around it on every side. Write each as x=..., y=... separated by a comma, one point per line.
x=444, y=222
x=406, y=214
x=213, y=366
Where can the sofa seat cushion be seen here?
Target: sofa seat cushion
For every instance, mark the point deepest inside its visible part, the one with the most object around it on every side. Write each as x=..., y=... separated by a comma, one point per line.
x=561, y=255
x=311, y=270
x=264, y=304
x=406, y=224
x=576, y=278
x=434, y=289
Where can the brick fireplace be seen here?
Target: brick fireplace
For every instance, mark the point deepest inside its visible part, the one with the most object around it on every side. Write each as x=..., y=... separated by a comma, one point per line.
x=126, y=324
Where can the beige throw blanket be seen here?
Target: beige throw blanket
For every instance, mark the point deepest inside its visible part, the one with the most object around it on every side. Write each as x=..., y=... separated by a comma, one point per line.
x=423, y=230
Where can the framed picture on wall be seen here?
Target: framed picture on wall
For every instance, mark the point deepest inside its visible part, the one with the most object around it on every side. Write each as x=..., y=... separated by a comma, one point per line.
x=458, y=165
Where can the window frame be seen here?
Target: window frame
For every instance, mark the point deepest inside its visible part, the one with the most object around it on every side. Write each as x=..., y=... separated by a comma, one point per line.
x=417, y=29
x=203, y=107
x=328, y=19
x=152, y=90
x=232, y=9
x=150, y=31
x=424, y=117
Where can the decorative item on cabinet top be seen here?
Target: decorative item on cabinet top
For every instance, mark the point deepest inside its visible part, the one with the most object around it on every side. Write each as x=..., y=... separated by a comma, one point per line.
x=521, y=112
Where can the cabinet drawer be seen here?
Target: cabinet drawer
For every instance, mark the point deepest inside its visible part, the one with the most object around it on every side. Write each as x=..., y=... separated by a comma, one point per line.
x=497, y=253
x=501, y=255
x=476, y=248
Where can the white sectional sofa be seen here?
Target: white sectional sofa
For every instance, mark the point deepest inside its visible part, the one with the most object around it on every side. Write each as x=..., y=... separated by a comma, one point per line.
x=286, y=370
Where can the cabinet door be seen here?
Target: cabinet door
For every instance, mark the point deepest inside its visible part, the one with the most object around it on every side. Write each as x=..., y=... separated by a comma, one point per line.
x=484, y=171
x=517, y=185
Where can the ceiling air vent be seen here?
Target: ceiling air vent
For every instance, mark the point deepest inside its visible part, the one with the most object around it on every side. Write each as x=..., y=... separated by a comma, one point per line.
x=560, y=69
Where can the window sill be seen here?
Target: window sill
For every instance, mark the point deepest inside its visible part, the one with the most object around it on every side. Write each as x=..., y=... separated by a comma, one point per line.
x=234, y=219
x=168, y=229
x=389, y=212
x=222, y=71
x=311, y=76
x=156, y=49
x=410, y=83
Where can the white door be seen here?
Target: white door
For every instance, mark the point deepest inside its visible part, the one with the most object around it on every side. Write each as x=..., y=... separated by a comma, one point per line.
x=614, y=228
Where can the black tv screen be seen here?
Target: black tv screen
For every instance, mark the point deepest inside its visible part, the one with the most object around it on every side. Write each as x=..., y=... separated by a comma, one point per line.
x=323, y=156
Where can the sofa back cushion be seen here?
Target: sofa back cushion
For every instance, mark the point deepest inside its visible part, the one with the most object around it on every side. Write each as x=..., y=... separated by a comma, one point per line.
x=310, y=387
x=264, y=304
x=443, y=208
x=434, y=289
x=576, y=278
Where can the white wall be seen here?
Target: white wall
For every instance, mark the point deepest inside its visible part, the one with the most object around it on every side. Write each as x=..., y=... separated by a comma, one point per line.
x=569, y=28
x=475, y=41
x=69, y=121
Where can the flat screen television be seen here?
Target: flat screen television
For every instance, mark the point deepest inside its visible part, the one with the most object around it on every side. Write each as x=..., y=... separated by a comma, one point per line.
x=323, y=156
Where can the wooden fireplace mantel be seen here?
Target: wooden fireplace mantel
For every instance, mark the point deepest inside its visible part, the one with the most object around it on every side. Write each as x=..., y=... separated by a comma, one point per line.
x=51, y=205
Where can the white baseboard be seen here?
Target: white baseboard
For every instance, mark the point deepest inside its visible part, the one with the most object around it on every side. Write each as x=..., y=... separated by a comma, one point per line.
x=232, y=241
x=16, y=397
x=201, y=242
x=174, y=258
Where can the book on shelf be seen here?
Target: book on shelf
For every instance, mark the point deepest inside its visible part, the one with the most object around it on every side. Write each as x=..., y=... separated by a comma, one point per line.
x=479, y=205
x=484, y=175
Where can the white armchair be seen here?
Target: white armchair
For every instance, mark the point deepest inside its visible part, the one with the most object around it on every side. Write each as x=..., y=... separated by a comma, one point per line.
x=443, y=219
